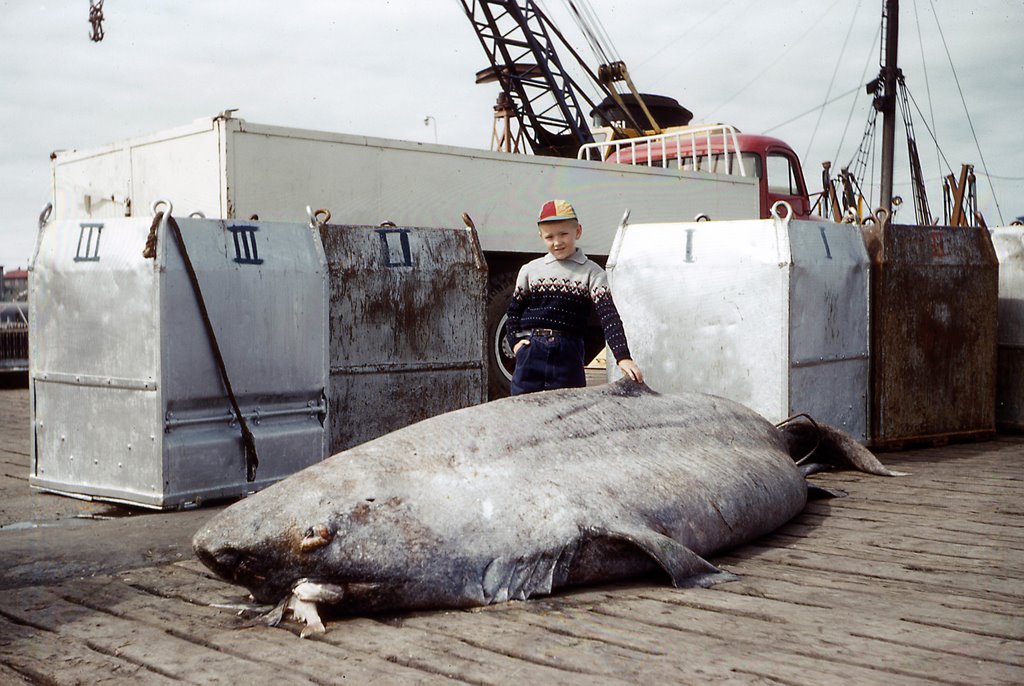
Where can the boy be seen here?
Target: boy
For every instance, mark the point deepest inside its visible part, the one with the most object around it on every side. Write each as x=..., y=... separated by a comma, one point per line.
x=550, y=307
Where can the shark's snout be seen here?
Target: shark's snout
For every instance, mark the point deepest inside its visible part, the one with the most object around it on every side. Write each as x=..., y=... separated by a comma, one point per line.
x=221, y=559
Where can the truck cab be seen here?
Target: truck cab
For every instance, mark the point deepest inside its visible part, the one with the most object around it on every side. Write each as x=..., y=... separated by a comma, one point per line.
x=717, y=149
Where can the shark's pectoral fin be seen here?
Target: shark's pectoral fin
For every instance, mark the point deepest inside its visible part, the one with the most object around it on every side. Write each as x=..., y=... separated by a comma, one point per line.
x=684, y=567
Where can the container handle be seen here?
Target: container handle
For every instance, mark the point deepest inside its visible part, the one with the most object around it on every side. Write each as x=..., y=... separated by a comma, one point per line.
x=197, y=215
x=160, y=201
x=779, y=205
x=702, y=217
x=620, y=233
x=882, y=216
x=478, y=254
x=44, y=216
x=318, y=218
x=149, y=251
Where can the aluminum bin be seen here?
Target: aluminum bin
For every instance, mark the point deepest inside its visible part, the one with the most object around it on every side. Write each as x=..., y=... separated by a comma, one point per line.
x=128, y=404
x=407, y=309
x=1009, y=245
x=770, y=313
x=934, y=325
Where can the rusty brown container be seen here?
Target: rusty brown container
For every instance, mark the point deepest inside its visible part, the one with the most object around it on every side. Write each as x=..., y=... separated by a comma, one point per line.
x=934, y=307
x=406, y=318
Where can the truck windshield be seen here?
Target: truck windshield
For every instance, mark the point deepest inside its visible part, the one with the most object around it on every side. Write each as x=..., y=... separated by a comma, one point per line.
x=720, y=164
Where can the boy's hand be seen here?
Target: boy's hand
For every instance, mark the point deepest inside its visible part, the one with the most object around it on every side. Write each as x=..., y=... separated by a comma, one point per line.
x=520, y=344
x=630, y=370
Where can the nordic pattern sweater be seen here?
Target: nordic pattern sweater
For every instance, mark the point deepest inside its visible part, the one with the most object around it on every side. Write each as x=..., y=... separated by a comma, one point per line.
x=558, y=294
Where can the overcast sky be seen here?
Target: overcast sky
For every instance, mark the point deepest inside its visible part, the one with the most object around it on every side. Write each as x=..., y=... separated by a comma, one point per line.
x=379, y=68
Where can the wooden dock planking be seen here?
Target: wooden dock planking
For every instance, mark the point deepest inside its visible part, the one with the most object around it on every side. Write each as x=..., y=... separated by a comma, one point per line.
x=44, y=656
x=910, y=580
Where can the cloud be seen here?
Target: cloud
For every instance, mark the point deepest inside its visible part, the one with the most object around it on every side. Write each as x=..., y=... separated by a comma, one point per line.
x=379, y=68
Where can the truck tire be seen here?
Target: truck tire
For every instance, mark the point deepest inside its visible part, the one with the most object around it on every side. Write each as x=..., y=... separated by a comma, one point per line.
x=500, y=360
x=501, y=363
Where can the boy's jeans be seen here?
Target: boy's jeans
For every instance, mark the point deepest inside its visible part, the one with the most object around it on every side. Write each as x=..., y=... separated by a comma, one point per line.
x=548, y=362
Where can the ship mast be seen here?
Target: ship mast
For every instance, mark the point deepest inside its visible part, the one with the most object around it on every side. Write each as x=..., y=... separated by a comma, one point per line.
x=887, y=103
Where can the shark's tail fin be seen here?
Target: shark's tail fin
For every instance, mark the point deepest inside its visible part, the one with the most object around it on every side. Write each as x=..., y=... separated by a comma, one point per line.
x=814, y=443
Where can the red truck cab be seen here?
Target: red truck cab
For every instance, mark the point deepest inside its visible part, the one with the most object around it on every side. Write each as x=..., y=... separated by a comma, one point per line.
x=717, y=149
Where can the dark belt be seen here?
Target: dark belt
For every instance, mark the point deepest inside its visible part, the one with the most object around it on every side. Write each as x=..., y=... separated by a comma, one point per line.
x=542, y=332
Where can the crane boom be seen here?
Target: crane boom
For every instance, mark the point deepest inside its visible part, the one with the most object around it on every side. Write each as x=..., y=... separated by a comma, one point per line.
x=515, y=36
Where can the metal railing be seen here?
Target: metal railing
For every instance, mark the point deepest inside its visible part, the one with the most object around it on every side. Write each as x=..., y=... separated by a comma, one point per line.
x=13, y=346
x=679, y=145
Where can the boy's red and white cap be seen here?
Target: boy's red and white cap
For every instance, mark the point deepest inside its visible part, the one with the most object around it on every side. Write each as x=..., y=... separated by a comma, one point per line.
x=556, y=211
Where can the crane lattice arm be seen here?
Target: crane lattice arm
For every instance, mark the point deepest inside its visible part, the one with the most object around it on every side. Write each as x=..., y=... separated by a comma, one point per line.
x=516, y=38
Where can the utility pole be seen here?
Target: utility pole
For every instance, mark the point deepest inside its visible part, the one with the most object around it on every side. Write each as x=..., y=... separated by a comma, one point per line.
x=887, y=103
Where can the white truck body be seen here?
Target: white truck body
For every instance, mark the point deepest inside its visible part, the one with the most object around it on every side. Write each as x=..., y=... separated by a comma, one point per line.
x=229, y=168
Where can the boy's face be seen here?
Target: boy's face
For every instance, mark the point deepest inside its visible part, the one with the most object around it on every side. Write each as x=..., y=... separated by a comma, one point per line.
x=561, y=237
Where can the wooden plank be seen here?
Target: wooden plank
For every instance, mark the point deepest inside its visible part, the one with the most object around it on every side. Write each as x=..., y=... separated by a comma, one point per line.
x=821, y=561
x=183, y=581
x=994, y=634
x=10, y=677
x=995, y=561
x=154, y=648
x=189, y=581
x=787, y=633
x=45, y=657
x=865, y=590
x=445, y=655
x=894, y=533
x=977, y=522
x=222, y=630
x=648, y=643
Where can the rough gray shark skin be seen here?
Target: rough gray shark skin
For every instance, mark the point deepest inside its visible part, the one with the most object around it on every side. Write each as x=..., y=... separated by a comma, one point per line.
x=520, y=497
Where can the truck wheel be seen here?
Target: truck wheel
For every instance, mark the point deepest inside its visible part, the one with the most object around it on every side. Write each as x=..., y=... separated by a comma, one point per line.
x=500, y=360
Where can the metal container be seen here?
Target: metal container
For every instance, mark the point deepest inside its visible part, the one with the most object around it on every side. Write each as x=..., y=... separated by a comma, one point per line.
x=407, y=310
x=772, y=313
x=1009, y=246
x=128, y=404
x=933, y=347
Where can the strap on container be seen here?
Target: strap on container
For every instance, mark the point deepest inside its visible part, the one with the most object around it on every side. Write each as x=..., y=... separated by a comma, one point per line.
x=248, y=440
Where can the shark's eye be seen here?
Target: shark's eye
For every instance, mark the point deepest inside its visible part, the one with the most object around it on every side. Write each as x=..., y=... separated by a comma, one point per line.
x=315, y=536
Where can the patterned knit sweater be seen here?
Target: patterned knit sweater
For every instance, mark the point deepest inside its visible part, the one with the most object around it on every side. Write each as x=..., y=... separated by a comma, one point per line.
x=558, y=294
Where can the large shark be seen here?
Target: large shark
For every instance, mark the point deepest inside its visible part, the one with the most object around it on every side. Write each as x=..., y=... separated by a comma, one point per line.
x=519, y=497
